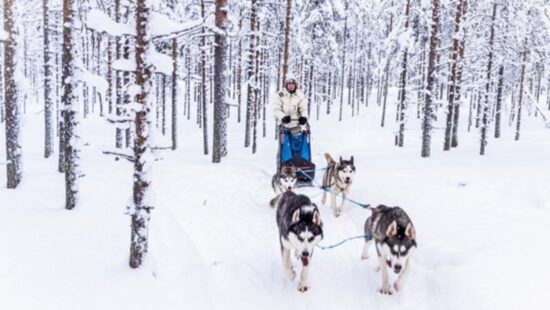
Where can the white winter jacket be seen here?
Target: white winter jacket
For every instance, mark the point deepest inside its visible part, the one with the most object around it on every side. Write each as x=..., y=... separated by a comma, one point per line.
x=294, y=105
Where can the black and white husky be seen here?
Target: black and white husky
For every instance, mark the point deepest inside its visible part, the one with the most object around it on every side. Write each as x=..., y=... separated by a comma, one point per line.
x=282, y=181
x=300, y=230
x=394, y=236
x=338, y=178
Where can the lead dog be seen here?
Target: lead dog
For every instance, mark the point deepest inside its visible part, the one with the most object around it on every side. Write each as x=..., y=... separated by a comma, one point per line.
x=337, y=179
x=395, y=238
x=300, y=230
x=282, y=181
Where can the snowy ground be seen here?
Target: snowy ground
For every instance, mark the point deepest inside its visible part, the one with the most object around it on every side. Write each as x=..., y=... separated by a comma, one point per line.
x=482, y=224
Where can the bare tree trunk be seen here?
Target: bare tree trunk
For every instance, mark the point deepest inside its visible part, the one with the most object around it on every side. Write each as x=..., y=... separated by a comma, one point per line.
x=256, y=95
x=118, y=81
x=249, y=73
x=203, y=85
x=343, y=66
x=140, y=211
x=329, y=91
x=488, y=85
x=470, y=112
x=386, y=77
x=498, y=115
x=48, y=104
x=456, y=112
x=109, y=71
x=287, y=38
x=174, y=93
x=187, y=102
x=311, y=69
x=403, y=92
x=368, y=76
x=428, y=106
x=12, y=101
x=220, y=83
x=239, y=73
x=70, y=103
x=454, y=83
x=351, y=91
x=521, y=85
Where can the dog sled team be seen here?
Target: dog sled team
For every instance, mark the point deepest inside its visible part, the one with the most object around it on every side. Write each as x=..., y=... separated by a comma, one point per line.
x=299, y=219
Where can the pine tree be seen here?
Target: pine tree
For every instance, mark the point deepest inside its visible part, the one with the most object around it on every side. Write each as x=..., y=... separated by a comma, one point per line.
x=12, y=98
x=220, y=83
x=430, y=83
x=48, y=104
x=485, y=126
x=143, y=157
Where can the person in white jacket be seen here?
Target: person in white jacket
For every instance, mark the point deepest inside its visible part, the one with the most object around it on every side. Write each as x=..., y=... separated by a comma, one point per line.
x=290, y=106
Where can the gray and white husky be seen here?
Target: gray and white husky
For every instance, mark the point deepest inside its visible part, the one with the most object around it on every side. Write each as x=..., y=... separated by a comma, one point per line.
x=395, y=238
x=338, y=178
x=300, y=230
x=282, y=181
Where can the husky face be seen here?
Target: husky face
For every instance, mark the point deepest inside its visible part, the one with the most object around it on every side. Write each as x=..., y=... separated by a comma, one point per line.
x=305, y=232
x=288, y=178
x=397, y=246
x=346, y=170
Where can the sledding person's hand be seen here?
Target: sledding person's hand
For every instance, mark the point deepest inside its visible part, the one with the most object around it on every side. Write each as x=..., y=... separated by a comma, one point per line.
x=286, y=119
x=302, y=120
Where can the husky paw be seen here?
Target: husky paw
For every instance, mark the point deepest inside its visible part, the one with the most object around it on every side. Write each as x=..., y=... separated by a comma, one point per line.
x=337, y=212
x=386, y=290
x=364, y=256
x=398, y=286
x=303, y=287
x=291, y=274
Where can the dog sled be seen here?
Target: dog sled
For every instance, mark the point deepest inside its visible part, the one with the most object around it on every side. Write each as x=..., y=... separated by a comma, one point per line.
x=295, y=151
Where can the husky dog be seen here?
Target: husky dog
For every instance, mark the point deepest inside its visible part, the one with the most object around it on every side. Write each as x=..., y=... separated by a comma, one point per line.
x=300, y=230
x=394, y=236
x=282, y=181
x=338, y=178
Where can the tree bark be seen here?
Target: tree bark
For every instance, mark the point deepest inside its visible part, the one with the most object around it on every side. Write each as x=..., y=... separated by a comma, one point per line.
x=70, y=103
x=203, y=85
x=250, y=73
x=143, y=158
x=498, y=114
x=485, y=126
x=220, y=83
x=48, y=104
x=12, y=101
x=287, y=39
x=343, y=66
x=428, y=106
x=174, y=93
x=454, y=83
x=403, y=92
x=521, y=85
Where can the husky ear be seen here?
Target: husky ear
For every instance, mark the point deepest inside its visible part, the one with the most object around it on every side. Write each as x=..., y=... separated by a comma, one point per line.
x=296, y=216
x=392, y=229
x=316, y=218
x=351, y=160
x=410, y=232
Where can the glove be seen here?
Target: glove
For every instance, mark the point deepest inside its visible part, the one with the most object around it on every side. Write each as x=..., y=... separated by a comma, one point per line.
x=286, y=119
x=302, y=120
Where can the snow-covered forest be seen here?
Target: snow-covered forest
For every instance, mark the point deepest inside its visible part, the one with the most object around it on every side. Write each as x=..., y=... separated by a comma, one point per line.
x=139, y=142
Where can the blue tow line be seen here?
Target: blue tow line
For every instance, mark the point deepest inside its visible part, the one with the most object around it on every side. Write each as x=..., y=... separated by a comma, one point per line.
x=362, y=205
x=367, y=237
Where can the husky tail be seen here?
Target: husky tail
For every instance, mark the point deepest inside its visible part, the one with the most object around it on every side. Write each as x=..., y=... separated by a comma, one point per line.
x=329, y=159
